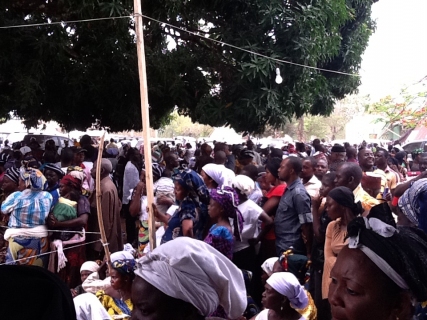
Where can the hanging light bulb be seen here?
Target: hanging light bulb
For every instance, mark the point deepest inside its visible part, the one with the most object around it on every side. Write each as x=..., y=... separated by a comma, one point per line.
x=279, y=79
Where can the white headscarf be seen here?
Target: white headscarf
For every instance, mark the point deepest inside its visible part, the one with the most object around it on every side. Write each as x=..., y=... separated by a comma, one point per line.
x=215, y=172
x=288, y=285
x=245, y=184
x=195, y=272
x=91, y=266
x=121, y=255
x=268, y=265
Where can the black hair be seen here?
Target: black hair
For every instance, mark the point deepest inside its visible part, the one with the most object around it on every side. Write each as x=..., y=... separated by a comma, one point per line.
x=169, y=157
x=296, y=164
x=300, y=146
x=251, y=170
x=386, y=155
x=220, y=146
x=276, y=153
x=49, y=156
x=330, y=176
x=393, y=161
x=67, y=155
x=273, y=165
x=405, y=251
x=312, y=160
x=400, y=156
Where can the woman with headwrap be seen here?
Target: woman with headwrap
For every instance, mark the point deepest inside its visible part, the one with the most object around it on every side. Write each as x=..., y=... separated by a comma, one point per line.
x=191, y=278
x=341, y=210
x=86, y=270
x=117, y=299
x=413, y=206
x=27, y=211
x=381, y=273
x=72, y=183
x=217, y=176
x=191, y=216
x=244, y=252
x=222, y=208
x=53, y=175
x=282, y=296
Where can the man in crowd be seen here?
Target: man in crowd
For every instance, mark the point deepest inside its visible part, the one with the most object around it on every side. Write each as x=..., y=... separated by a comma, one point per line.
x=293, y=220
x=111, y=206
x=311, y=183
x=366, y=162
x=381, y=157
x=350, y=175
x=257, y=158
x=337, y=156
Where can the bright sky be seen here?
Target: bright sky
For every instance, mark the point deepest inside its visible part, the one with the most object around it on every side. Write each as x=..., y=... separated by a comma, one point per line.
x=397, y=52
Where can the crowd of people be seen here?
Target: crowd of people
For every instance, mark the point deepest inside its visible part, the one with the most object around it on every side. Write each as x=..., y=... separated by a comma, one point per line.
x=308, y=231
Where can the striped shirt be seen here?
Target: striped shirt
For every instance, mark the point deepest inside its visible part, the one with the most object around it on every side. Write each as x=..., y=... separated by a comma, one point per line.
x=27, y=209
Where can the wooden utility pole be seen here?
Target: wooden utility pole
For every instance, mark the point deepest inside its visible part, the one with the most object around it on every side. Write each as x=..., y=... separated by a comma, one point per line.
x=145, y=119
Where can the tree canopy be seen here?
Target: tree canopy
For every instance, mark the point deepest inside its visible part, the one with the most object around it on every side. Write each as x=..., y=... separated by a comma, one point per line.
x=80, y=73
x=408, y=109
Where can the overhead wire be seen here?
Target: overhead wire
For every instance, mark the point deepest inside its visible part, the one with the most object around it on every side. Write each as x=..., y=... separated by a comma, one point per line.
x=183, y=30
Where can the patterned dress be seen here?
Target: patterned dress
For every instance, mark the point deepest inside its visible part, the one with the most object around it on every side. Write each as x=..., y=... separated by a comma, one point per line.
x=221, y=239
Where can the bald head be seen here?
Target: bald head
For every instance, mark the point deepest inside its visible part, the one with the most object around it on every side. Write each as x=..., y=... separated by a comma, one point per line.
x=220, y=157
x=348, y=175
x=106, y=166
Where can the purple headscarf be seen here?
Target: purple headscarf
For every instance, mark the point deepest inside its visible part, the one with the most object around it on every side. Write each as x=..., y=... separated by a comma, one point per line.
x=229, y=200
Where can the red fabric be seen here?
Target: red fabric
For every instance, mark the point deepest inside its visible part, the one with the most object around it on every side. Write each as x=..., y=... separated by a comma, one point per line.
x=276, y=191
x=394, y=202
x=69, y=180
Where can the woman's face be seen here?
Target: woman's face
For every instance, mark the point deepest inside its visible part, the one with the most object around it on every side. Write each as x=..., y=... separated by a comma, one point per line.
x=64, y=189
x=269, y=178
x=358, y=289
x=215, y=210
x=117, y=280
x=146, y=300
x=327, y=186
x=84, y=274
x=180, y=192
x=335, y=211
x=207, y=180
x=271, y=299
x=51, y=177
x=9, y=185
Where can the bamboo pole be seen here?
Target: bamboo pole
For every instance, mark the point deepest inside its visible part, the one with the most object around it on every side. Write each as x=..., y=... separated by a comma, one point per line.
x=145, y=120
x=98, y=201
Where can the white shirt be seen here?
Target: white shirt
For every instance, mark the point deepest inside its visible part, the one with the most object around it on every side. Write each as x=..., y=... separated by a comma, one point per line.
x=251, y=213
x=313, y=186
x=130, y=180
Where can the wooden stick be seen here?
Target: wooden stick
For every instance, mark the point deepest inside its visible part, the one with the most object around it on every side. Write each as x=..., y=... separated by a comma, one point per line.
x=145, y=121
x=98, y=200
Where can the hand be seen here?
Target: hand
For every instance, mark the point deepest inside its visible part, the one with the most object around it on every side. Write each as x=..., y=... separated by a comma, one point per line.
x=156, y=212
x=164, y=200
x=316, y=202
x=73, y=293
x=102, y=270
x=388, y=197
x=51, y=220
x=141, y=187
